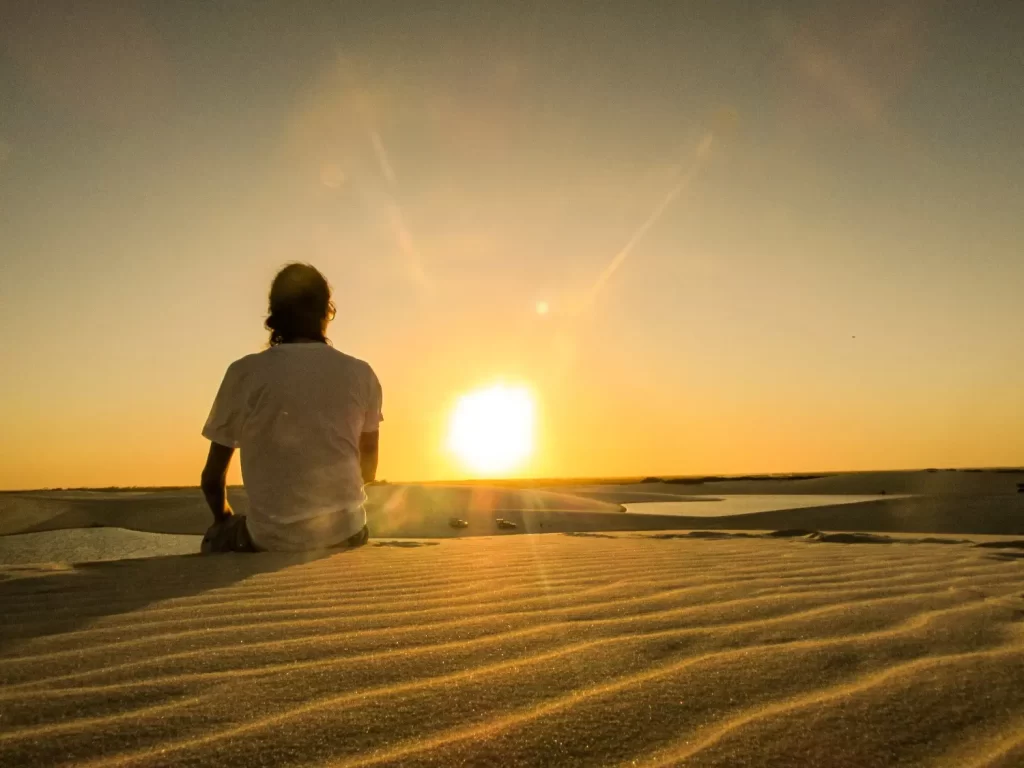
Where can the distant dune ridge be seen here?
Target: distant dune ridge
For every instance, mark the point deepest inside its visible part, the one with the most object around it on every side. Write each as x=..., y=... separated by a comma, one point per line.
x=596, y=649
x=85, y=545
x=946, y=502
x=394, y=510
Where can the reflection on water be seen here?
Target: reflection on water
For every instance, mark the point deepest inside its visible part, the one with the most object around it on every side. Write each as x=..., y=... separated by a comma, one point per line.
x=718, y=506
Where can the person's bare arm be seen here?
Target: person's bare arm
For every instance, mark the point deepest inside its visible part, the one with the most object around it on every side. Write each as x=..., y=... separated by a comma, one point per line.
x=214, y=480
x=369, y=447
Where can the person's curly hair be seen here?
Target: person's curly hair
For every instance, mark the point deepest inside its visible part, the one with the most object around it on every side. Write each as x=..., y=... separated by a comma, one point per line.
x=300, y=301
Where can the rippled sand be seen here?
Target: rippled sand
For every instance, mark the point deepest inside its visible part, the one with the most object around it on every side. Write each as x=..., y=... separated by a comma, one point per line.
x=526, y=650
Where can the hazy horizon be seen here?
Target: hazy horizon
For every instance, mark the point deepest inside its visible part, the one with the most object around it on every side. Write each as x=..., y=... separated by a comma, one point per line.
x=550, y=480
x=706, y=240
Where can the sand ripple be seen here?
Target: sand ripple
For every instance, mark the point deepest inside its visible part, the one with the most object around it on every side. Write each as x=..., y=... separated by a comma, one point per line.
x=528, y=650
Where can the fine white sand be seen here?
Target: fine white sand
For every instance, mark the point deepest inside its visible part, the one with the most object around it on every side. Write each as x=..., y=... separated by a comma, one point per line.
x=593, y=649
x=784, y=637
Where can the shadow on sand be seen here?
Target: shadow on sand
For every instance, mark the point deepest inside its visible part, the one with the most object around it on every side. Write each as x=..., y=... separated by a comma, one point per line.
x=37, y=600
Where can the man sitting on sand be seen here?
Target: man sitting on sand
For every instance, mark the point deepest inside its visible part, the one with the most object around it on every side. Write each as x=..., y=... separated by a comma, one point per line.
x=306, y=419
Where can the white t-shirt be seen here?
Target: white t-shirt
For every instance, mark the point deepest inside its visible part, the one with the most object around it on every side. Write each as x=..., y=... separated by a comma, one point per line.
x=296, y=412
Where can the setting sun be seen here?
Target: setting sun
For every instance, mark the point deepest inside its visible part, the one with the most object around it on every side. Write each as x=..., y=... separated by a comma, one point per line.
x=491, y=430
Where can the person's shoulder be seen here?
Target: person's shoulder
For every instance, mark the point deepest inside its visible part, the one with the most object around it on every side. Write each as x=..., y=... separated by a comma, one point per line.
x=354, y=363
x=247, y=362
x=241, y=365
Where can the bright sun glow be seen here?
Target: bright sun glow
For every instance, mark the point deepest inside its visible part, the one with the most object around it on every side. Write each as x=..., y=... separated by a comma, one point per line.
x=491, y=430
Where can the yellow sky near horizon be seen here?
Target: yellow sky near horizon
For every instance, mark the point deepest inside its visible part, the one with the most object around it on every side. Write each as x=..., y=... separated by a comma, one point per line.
x=766, y=242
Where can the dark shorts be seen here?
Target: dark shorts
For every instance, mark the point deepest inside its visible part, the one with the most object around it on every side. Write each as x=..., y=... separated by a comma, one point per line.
x=232, y=535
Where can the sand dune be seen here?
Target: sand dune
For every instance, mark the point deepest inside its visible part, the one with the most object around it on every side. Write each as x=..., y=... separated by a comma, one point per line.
x=394, y=510
x=423, y=511
x=587, y=650
x=80, y=545
x=947, y=515
x=917, y=482
x=165, y=511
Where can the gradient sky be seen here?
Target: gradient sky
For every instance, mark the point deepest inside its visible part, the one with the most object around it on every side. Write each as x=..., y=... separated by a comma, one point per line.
x=839, y=283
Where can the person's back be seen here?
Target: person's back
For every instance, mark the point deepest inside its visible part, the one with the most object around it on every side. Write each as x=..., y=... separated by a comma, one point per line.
x=306, y=419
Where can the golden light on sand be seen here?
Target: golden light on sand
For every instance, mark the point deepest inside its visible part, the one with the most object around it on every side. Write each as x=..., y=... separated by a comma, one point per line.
x=491, y=429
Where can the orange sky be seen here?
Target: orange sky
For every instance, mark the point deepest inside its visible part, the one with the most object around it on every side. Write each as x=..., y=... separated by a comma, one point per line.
x=835, y=285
